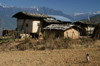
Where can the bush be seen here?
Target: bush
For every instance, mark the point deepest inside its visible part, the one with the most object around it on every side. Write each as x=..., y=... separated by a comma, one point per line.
x=67, y=39
x=46, y=36
x=27, y=40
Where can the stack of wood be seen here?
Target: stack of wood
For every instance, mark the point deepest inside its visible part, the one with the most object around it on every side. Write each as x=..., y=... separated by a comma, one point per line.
x=6, y=32
x=96, y=33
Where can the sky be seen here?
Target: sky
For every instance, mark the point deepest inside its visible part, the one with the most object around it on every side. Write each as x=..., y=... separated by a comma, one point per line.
x=66, y=6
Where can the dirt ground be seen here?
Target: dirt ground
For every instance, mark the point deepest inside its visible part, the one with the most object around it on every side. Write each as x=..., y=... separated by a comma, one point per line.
x=74, y=55
x=57, y=57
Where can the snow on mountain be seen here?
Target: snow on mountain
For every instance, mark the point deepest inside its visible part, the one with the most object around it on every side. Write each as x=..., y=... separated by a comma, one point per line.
x=89, y=13
x=80, y=16
x=2, y=5
x=94, y=13
x=76, y=14
x=34, y=7
x=60, y=18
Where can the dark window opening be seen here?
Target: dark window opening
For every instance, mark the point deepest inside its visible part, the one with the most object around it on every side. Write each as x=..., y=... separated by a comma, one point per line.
x=26, y=25
x=57, y=35
x=38, y=24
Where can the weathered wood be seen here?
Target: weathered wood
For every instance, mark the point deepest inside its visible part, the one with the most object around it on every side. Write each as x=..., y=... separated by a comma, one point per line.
x=96, y=33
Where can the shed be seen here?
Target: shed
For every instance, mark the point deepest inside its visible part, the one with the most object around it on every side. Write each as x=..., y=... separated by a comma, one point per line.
x=87, y=25
x=63, y=30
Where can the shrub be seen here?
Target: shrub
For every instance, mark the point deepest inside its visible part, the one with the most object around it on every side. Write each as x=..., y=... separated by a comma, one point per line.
x=27, y=40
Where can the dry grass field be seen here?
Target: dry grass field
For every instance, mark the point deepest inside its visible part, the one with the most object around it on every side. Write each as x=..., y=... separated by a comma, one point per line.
x=56, y=57
x=73, y=55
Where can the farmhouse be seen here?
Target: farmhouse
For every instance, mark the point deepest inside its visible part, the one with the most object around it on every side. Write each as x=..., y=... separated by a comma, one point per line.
x=31, y=23
x=63, y=30
x=88, y=26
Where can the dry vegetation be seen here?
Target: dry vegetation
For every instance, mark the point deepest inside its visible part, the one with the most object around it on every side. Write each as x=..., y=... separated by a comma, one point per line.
x=28, y=43
x=58, y=52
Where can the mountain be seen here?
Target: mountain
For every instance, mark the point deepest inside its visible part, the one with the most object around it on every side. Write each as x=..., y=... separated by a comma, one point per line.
x=95, y=18
x=81, y=16
x=8, y=22
x=62, y=18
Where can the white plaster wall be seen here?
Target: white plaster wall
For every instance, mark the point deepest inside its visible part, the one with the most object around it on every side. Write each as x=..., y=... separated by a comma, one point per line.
x=90, y=28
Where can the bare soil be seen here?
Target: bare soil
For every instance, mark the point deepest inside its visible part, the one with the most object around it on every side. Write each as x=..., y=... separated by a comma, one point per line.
x=29, y=54
x=57, y=57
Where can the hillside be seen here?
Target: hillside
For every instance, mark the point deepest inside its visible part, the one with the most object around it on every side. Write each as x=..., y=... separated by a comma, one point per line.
x=95, y=18
x=8, y=22
x=81, y=16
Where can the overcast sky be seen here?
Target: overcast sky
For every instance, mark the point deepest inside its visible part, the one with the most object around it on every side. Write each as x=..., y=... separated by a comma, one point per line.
x=67, y=6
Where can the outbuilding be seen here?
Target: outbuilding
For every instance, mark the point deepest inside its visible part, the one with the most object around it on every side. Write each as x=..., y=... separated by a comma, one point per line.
x=88, y=26
x=63, y=30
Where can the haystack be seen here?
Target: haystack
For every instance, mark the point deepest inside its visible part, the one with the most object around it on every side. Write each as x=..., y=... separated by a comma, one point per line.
x=96, y=33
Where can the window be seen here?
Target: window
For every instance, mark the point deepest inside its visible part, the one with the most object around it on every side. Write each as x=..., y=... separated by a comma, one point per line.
x=57, y=35
x=26, y=25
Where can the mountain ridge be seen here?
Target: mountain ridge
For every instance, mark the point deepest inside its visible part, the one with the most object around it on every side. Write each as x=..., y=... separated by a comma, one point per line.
x=8, y=22
x=6, y=14
x=95, y=18
x=80, y=16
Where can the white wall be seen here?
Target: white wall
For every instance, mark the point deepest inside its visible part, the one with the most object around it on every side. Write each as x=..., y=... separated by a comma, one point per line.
x=35, y=26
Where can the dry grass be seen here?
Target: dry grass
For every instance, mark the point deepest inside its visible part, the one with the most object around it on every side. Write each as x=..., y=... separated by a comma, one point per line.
x=25, y=44
x=64, y=53
x=58, y=57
